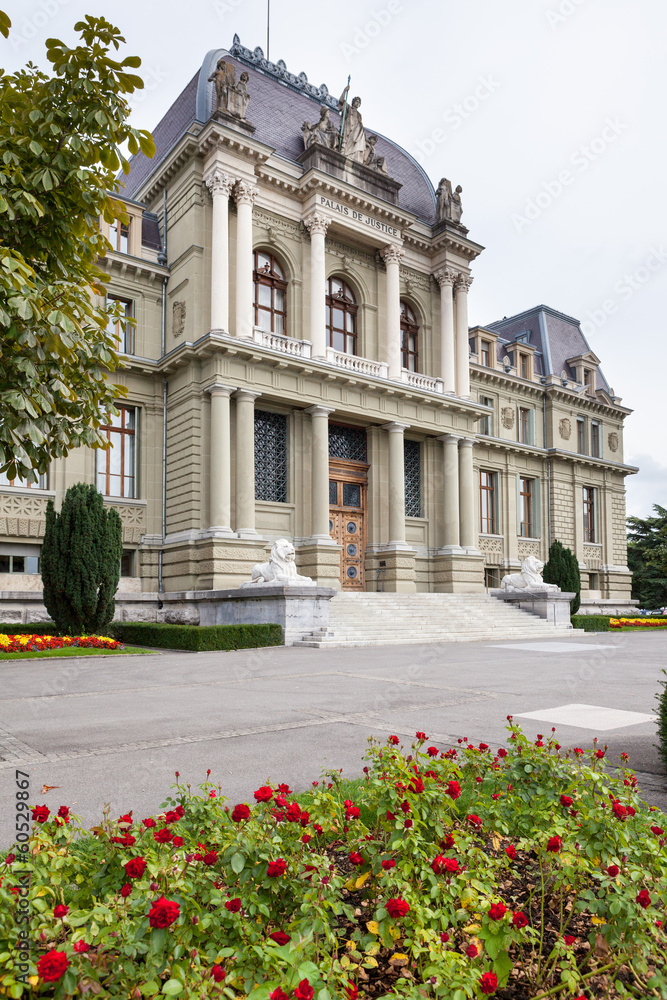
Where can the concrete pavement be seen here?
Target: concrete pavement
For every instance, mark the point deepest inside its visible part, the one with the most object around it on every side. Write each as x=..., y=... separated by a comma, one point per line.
x=115, y=729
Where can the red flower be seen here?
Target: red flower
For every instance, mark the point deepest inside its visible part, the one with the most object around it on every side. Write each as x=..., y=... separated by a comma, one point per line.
x=397, y=907
x=619, y=810
x=210, y=858
x=497, y=911
x=416, y=785
x=218, y=973
x=472, y=951
x=304, y=991
x=599, y=754
x=388, y=863
x=126, y=818
x=276, y=868
x=263, y=794
x=135, y=868
x=52, y=966
x=393, y=740
x=40, y=814
x=149, y=822
x=475, y=821
x=163, y=913
x=405, y=806
x=280, y=937
x=177, y=841
x=432, y=751
x=80, y=947
x=453, y=789
x=240, y=812
x=293, y=813
x=278, y=994
x=420, y=736
x=613, y=870
x=126, y=840
x=657, y=830
x=448, y=842
x=566, y=801
x=126, y=890
x=63, y=812
x=569, y=939
x=488, y=983
x=554, y=844
x=444, y=937
x=10, y=859
x=306, y=839
x=644, y=899
x=511, y=852
x=356, y=858
x=352, y=990
x=519, y=919
x=233, y=905
x=502, y=752
x=437, y=864
x=60, y=911
x=162, y=836
x=578, y=751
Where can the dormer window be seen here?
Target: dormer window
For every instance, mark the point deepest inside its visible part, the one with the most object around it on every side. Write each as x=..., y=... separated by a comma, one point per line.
x=485, y=353
x=523, y=365
x=119, y=236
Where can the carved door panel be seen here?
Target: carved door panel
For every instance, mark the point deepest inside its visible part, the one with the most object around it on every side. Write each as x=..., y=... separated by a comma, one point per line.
x=347, y=499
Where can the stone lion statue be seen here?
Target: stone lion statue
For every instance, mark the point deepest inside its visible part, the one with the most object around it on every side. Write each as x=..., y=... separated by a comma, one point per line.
x=530, y=577
x=280, y=570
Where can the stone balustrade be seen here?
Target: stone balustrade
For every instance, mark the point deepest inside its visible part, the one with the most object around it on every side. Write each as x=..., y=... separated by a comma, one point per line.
x=353, y=363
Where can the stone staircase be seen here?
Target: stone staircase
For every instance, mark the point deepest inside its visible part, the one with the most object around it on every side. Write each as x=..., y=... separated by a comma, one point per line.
x=370, y=619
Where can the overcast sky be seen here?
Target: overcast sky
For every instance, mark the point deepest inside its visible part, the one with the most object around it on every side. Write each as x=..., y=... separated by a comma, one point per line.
x=549, y=113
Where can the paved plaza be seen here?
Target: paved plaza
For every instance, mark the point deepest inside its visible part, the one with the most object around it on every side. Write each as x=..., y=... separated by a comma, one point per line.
x=115, y=729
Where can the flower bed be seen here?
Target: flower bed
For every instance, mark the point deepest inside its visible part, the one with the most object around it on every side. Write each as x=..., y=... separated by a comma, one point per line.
x=517, y=873
x=637, y=623
x=40, y=643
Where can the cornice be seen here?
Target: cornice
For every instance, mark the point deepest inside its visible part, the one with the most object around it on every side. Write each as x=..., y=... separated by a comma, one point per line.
x=186, y=148
x=214, y=135
x=504, y=380
x=121, y=264
x=597, y=463
x=316, y=180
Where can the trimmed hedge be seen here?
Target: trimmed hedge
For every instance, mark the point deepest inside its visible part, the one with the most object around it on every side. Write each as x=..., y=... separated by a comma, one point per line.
x=197, y=638
x=662, y=721
x=37, y=628
x=591, y=623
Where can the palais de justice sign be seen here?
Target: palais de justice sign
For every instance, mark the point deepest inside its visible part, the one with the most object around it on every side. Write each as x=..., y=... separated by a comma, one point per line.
x=355, y=216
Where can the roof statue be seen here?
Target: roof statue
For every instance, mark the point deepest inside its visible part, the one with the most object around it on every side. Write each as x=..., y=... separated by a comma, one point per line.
x=322, y=132
x=353, y=137
x=448, y=203
x=371, y=159
x=231, y=96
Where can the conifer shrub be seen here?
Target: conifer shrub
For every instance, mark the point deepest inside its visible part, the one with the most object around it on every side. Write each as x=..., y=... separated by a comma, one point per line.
x=563, y=570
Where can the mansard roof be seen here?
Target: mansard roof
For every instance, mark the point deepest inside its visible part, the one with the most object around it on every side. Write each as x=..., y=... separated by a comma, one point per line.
x=555, y=335
x=279, y=104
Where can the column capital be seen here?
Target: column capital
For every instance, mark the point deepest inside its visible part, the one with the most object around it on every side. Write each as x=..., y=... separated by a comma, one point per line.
x=450, y=438
x=319, y=411
x=463, y=283
x=246, y=394
x=467, y=442
x=394, y=427
x=218, y=182
x=392, y=254
x=446, y=277
x=245, y=193
x=219, y=389
x=317, y=224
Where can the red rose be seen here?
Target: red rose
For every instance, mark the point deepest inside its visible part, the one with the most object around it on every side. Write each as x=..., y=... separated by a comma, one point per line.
x=475, y=821
x=240, y=813
x=448, y=842
x=63, y=812
x=497, y=911
x=613, y=871
x=263, y=794
x=171, y=817
x=218, y=973
x=304, y=991
x=502, y=752
x=657, y=830
x=40, y=814
x=352, y=812
x=519, y=919
x=472, y=951
x=163, y=913
x=566, y=801
x=54, y=964
x=280, y=937
x=351, y=991
x=162, y=836
x=569, y=939
x=210, y=858
x=126, y=890
x=420, y=736
x=276, y=868
x=60, y=911
x=488, y=983
x=554, y=845
x=356, y=858
x=293, y=813
x=397, y=907
x=278, y=994
x=127, y=818
x=177, y=841
x=233, y=905
x=80, y=947
x=393, y=740
x=306, y=839
x=619, y=810
x=388, y=863
x=148, y=823
x=453, y=789
x=135, y=868
x=444, y=937
x=432, y=751
x=511, y=852
x=11, y=858
x=644, y=899
x=599, y=754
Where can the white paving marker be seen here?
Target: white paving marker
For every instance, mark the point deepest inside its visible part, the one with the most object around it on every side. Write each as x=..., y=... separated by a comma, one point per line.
x=593, y=717
x=551, y=647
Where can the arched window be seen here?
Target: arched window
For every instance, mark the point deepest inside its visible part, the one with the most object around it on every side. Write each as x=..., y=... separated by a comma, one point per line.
x=270, y=293
x=341, y=317
x=409, y=338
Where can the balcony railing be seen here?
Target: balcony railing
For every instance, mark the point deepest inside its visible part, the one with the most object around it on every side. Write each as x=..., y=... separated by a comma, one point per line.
x=353, y=363
x=424, y=383
x=284, y=345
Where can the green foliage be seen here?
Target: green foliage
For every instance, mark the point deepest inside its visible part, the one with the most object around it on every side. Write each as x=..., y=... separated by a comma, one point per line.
x=591, y=623
x=647, y=558
x=428, y=831
x=563, y=570
x=198, y=638
x=662, y=722
x=80, y=562
x=60, y=139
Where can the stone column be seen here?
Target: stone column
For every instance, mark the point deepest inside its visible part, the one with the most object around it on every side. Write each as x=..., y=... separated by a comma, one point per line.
x=466, y=496
x=451, y=539
x=392, y=255
x=220, y=515
x=317, y=224
x=320, y=473
x=463, y=283
x=245, y=194
x=396, y=484
x=245, y=462
x=445, y=279
x=220, y=185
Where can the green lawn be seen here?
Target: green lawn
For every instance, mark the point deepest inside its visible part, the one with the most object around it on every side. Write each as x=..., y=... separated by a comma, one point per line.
x=73, y=651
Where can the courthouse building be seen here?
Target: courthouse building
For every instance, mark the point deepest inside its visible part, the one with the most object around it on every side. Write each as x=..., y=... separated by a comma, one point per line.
x=301, y=366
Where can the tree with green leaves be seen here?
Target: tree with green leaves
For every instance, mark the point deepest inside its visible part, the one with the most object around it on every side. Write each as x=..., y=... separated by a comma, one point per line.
x=563, y=570
x=80, y=562
x=647, y=558
x=60, y=139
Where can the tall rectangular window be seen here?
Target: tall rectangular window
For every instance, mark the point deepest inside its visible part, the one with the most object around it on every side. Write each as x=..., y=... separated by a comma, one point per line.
x=485, y=353
x=116, y=467
x=124, y=337
x=526, y=508
x=412, y=451
x=271, y=469
x=581, y=435
x=590, y=513
x=523, y=365
x=524, y=425
x=119, y=236
x=487, y=502
x=486, y=423
x=595, y=439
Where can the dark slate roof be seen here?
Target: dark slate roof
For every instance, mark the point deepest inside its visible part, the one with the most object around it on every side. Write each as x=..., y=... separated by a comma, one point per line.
x=150, y=231
x=554, y=334
x=279, y=104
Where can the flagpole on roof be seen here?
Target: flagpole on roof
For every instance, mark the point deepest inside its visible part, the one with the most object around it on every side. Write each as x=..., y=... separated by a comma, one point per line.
x=268, y=26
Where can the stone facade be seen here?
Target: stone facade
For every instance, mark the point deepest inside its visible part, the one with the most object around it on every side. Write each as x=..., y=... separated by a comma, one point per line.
x=504, y=400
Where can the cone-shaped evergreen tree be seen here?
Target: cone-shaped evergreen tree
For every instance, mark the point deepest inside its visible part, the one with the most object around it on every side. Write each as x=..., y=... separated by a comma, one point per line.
x=563, y=570
x=80, y=561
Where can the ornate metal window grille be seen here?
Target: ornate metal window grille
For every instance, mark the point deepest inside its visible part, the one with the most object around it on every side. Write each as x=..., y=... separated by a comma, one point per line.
x=347, y=442
x=413, y=478
x=270, y=456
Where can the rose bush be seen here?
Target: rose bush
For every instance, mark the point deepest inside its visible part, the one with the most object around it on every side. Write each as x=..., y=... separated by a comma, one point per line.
x=528, y=883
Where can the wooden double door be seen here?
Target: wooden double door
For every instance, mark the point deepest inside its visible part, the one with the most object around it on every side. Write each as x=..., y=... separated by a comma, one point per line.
x=347, y=518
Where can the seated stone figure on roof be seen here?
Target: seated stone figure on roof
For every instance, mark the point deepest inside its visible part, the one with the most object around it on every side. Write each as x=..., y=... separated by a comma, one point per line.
x=321, y=133
x=371, y=159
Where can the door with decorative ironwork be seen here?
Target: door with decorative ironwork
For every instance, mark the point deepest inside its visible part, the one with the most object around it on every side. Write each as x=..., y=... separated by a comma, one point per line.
x=347, y=503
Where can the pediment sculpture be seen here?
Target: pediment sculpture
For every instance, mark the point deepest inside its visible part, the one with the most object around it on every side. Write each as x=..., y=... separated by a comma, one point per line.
x=231, y=95
x=350, y=139
x=280, y=570
x=529, y=579
x=449, y=207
